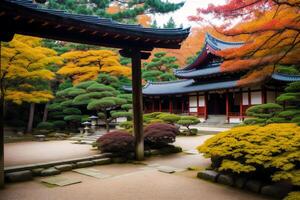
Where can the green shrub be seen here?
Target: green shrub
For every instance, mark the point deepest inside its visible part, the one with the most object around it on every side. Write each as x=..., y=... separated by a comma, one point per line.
x=276, y=120
x=72, y=111
x=73, y=118
x=271, y=152
x=45, y=125
x=264, y=111
x=59, y=124
x=169, y=118
x=252, y=121
x=187, y=121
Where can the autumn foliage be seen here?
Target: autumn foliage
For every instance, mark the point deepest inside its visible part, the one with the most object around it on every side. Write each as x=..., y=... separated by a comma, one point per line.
x=86, y=65
x=272, y=31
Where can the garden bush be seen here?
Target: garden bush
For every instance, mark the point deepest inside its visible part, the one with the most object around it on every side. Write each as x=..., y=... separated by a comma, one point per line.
x=59, y=124
x=293, y=196
x=271, y=152
x=187, y=121
x=45, y=126
x=119, y=142
x=158, y=135
x=169, y=118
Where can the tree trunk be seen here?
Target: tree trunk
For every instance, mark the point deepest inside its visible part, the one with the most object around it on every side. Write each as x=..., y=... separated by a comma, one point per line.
x=30, y=120
x=1, y=126
x=106, y=121
x=45, y=114
x=1, y=139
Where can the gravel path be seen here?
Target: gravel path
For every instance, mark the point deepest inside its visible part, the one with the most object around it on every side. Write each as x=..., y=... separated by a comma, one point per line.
x=135, y=182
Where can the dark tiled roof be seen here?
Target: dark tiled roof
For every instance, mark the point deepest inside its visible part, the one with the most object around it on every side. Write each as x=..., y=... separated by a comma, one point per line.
x=285, y=77
x=190, y=85
x=26, y=16
x=193, y=73
x=211, y=44
x=182, y=86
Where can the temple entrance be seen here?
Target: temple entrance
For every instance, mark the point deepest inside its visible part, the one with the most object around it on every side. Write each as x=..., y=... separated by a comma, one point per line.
x=216, y=104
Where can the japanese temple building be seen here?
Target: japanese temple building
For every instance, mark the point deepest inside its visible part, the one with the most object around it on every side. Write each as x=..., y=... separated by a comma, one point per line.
x=204, y=90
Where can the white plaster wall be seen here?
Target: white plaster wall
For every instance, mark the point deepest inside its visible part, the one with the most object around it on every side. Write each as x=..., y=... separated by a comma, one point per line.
x=193, y=101
x=271, y=97
x=245, y=98
x=234, y=120
x=193, y=110
x=256, y=98
x=201, y=101
x=121, y=119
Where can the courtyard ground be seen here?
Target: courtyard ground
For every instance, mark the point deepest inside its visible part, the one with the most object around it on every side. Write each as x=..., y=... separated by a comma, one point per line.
x=133, y=181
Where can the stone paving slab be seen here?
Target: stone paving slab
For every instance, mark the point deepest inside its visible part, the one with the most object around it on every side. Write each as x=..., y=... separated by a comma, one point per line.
x=92, y=172
x=60, y=181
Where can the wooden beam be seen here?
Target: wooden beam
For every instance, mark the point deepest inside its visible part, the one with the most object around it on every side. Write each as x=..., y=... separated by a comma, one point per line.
x=137, y=98
x=129, y=54
x=6, y=36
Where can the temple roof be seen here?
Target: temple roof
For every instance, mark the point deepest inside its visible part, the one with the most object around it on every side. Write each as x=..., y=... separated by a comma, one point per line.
x=211, y=44
x=27, y=18
x=193, y=73
x=285, y=77
x=190, y=85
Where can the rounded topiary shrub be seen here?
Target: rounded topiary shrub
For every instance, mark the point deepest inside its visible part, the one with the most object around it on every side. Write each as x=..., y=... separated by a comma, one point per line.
x=45, y=126
x=59, y=124
x=271, y=152
x=158, y=135
x=119, y=142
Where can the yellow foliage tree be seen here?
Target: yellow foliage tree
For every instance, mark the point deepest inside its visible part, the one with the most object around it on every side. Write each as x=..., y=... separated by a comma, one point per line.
x=86, y=65
x=23, y=70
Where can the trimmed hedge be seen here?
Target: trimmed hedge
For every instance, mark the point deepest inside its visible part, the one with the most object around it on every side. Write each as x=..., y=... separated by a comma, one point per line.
x=271, y=152
x=45, y=126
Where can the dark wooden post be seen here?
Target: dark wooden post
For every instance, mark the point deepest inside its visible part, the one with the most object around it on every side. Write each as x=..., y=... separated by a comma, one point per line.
x=1, y=133
x=205, y=105
x=137, y=98
x=227, y=105
x=170, y=105
x=241, y=104
x=159, y=106
x=197, y=104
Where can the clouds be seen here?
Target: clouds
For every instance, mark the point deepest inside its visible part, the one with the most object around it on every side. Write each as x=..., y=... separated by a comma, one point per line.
x=181, y=16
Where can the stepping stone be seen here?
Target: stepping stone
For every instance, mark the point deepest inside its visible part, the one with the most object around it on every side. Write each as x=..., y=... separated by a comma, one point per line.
x=102, y=161
x=169, y=169
x=253, y=185
x=60, y=181
x=19, y=176
x=92, y=172
x=50, y=172
x=225, y=179
x=276, y=190
x=62, y=168
x=84, y=164
x=192, y=152
x=209, y=175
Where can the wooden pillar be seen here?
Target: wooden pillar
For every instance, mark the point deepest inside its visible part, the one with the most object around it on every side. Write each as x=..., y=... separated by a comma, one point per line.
x=263, y=95
x=137, y=104
x=170, y=105
x=159, y=104
x=197, y=104
x=205, y=105
x=249, y=97
x=1, y=133
x=227, y=106
x=153, y=105
x=241, y=104
x=182, y=104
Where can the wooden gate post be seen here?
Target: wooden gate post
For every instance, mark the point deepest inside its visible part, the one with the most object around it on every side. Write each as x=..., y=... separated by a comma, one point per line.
x=137, y=98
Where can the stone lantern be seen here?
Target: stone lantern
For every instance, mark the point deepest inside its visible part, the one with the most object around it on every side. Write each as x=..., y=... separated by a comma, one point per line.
x=86, y=128
x=93, y=120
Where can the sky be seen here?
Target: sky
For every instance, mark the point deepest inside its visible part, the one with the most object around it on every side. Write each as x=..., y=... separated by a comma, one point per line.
x=181, y=16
